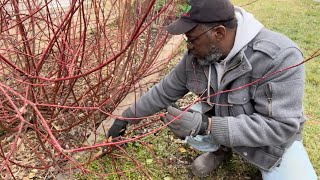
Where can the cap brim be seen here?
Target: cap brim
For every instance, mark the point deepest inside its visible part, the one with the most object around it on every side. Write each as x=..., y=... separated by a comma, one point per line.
x=180, y=27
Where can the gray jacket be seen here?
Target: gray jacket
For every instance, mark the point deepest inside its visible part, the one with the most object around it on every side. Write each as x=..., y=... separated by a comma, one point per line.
x=258, y=122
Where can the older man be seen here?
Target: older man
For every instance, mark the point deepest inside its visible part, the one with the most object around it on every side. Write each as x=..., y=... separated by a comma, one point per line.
x=228, y=49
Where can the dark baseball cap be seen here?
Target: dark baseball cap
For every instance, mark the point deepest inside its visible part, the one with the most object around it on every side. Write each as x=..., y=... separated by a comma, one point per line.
x=202, y=12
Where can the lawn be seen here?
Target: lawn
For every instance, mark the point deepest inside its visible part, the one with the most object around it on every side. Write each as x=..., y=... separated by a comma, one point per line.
x=161, y=156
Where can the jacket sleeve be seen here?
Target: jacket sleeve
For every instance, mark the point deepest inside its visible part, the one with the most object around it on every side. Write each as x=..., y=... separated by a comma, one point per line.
x=171, y=88
x=276, y=119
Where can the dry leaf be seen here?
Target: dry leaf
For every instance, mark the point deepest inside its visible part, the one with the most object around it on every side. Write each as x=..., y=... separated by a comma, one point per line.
x=110, y=139
x=149, y=161
x=183, y=150
x=33, y=173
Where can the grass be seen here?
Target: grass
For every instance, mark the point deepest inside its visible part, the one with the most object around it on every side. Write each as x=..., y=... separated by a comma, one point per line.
x=299, y=20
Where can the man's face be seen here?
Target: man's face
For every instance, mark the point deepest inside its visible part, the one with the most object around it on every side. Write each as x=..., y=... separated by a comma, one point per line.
x=201, y=45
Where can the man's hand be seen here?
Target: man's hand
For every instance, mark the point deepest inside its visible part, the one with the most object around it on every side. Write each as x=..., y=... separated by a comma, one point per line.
x=189, y=123
x=117, y=129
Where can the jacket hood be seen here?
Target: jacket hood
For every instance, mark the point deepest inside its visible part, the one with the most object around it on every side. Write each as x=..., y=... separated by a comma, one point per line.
x=248, y=28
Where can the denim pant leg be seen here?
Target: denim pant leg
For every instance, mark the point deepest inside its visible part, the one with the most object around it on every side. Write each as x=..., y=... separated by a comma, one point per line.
x=295, y=165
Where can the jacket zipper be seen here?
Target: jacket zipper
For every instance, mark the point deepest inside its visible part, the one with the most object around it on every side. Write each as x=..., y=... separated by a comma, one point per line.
x=269, y=99
x=228, y=70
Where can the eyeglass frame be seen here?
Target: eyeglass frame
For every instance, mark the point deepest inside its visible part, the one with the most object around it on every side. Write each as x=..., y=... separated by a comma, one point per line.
x=189, y=41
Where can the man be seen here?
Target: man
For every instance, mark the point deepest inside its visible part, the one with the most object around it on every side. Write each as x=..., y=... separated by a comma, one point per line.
x=227, y=49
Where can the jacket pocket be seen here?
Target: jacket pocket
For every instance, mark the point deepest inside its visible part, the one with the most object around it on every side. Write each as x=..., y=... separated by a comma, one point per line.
x=240, y=101
x=265, y=157
x=285, y=98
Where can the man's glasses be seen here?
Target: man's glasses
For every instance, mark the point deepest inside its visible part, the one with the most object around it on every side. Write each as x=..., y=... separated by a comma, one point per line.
x=189, y=41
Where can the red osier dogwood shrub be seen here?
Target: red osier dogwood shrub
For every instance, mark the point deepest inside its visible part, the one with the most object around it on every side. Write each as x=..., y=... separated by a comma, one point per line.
x=64, y=68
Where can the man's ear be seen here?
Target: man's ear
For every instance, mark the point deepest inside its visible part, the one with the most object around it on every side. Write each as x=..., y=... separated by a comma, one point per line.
x=219, y=32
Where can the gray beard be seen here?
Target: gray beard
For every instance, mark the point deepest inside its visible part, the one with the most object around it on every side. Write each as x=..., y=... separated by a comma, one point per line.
x=214, y=55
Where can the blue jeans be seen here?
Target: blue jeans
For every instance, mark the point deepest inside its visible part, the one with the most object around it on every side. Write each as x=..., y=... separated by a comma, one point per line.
x=295, y=165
